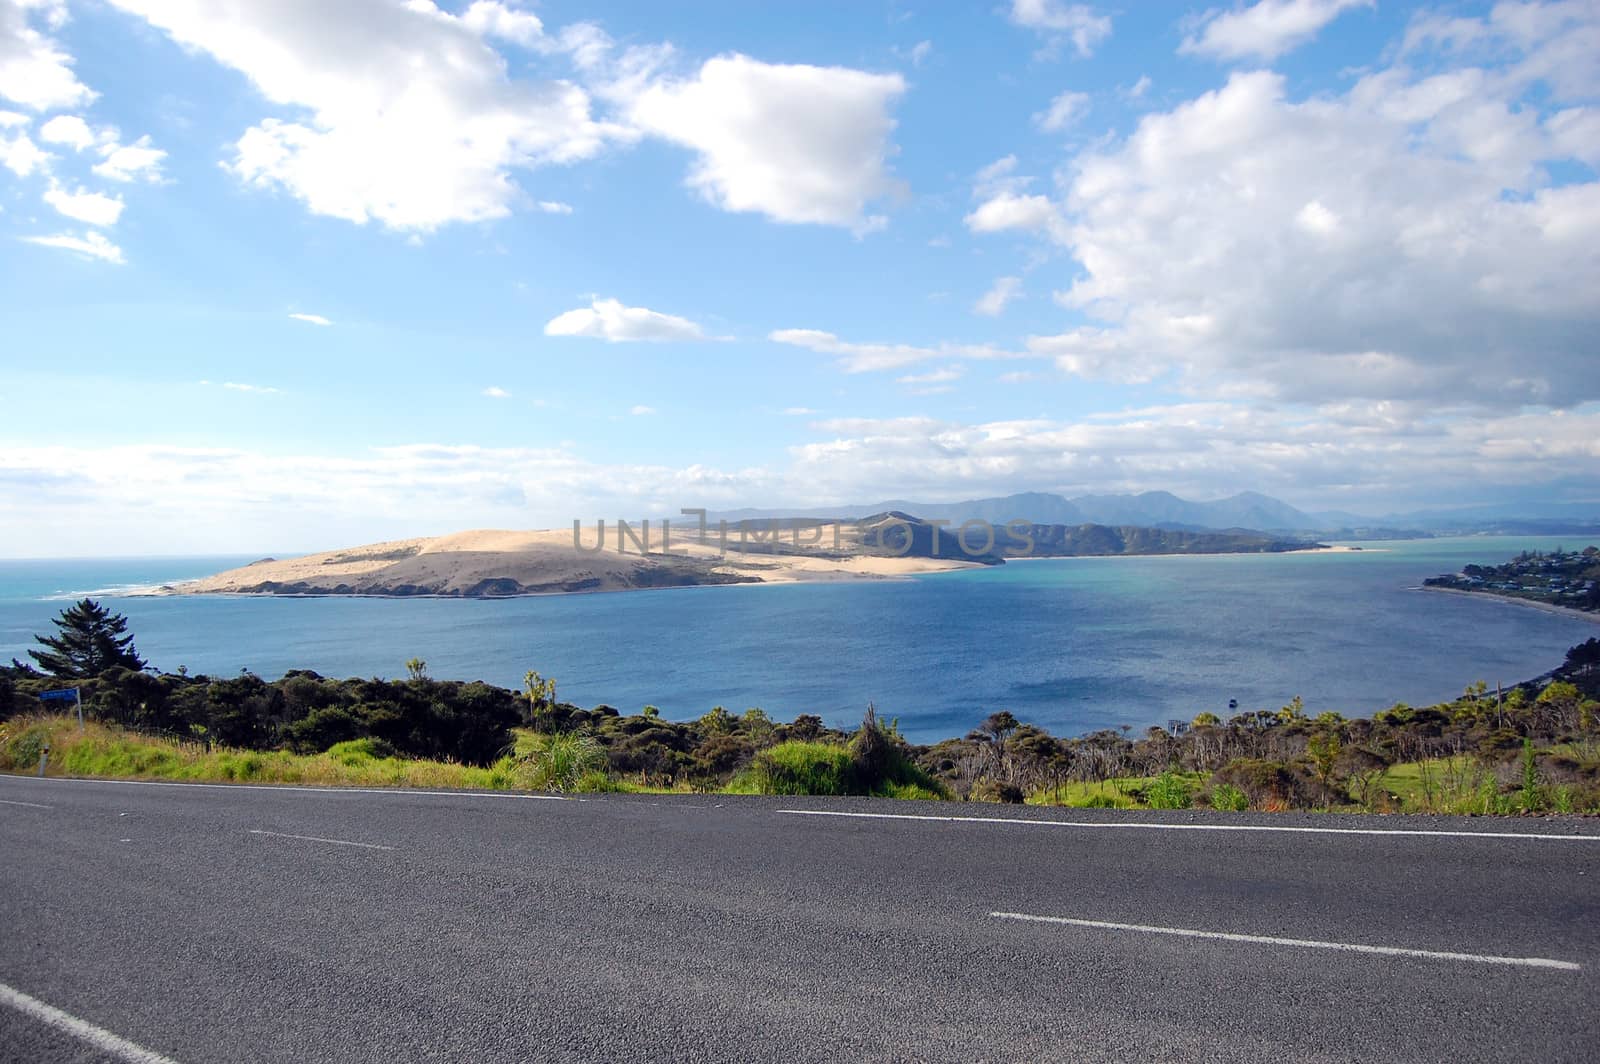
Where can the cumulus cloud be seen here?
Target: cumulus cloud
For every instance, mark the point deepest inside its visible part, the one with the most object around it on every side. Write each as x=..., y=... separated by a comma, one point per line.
x=555, y=207
x=608, y=319
x=865, y=358
x=130, y=162
x=69, y=130
x=20, y=155
x=34, y=69
x=1264, y=30
x=795, y=143
x=91, y=245
x=81, y=205
x=1401, y=240
x=1008, y=210
x=1060, y=23
x=395, y=113
x=993, y=302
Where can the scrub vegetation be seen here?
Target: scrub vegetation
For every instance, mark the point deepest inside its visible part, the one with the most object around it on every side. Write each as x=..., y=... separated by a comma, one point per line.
x=1532, y=749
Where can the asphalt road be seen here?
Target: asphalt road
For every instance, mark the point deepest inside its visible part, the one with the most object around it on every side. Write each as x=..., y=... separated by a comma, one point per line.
x=201, y=923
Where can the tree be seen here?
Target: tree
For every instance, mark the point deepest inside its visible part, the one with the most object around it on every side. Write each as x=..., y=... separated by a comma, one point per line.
x=417, y=670
x=92, y=640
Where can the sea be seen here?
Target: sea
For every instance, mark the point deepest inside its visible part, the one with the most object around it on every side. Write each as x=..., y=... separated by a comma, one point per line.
x=1073, y=645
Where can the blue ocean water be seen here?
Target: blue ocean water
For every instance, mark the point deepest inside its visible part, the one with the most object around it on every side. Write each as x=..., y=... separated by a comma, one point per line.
x=1071, y=644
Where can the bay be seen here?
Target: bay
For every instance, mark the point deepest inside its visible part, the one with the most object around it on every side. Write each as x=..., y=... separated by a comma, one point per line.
x=1072, y=644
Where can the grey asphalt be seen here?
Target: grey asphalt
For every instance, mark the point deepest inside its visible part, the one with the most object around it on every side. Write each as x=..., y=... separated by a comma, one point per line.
x=728, y=929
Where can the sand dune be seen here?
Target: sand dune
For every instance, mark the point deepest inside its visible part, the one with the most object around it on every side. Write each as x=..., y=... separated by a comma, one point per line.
x=495, y=562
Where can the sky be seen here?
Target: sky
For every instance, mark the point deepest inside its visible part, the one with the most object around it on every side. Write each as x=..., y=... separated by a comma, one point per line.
x=291, y=275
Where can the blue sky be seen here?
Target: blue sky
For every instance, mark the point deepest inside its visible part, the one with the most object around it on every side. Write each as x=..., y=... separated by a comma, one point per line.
x=557, y=260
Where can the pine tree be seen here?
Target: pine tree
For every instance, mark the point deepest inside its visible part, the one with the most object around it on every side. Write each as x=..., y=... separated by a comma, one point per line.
x=92, y=640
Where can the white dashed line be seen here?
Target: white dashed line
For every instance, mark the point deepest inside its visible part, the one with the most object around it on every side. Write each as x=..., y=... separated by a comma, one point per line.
x=315, y=838
x=102, y=1039
x=30, y=805
x=1301, y=943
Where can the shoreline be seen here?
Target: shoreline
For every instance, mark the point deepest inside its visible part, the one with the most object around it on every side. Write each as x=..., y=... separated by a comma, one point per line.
x=1546, y=607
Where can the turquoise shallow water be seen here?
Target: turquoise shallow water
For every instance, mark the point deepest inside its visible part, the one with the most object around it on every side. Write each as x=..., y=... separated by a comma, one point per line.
x=1073, y=644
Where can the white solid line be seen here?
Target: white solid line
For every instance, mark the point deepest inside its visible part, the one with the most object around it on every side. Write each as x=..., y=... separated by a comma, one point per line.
x=98, y=1037
x=30, y=805
x=314, y=838
x=302, y=788
x=1303, y=943
x=1135, y=825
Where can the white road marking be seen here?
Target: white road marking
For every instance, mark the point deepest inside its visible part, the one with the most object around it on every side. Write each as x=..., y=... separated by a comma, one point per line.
x=30, y=805
x=1302, y=943
x=99, y=1037
x=304, y=789
x=1137, y=825
x=314, y=838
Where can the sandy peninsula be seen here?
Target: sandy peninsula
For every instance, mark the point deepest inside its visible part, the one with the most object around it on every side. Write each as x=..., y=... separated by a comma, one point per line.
x=494, y=563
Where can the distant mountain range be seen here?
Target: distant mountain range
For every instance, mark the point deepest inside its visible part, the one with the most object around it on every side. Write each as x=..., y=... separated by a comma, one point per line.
x=1246, y=510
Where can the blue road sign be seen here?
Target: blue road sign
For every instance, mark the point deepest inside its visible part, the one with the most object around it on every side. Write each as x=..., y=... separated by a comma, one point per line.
x=69, y=695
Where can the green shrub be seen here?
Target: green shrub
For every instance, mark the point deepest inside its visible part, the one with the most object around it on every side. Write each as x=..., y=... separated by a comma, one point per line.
x=797, y=767
x=1169, y=791
x=991, y=790
x=354, y=753
x=1228, y=798
x=559, y=760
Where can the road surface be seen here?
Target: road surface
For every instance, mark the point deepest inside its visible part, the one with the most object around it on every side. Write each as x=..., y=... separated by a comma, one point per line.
x=208, y=923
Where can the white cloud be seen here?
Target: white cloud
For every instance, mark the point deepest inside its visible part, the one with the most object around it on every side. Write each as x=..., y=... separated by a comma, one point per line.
x=799, y=411
x=130, y=162
x=1264, y=30
x=1058, y=21
x=642, y=411
x=1010, y=211
x=399, y=113
x=258, y=389
x=555, y=207
x=90, y=245
x=491, y=19
x=1403, y=239
x=34, y=70
x=795, y=143
x=934, y=382
x=22, y=156
x=920, y=51
x=84, y=206
x=993, y=302
x=608, y=319
x=494, y=392
x=1065, y=110
x=865, y=358
x=311, y=319
x=69, y=130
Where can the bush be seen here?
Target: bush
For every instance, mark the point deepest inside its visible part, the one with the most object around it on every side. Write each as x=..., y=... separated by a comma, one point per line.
x=1169, y=791
x=797, y=767
x=1228, y=798
x=559, y=761
x=992, y=790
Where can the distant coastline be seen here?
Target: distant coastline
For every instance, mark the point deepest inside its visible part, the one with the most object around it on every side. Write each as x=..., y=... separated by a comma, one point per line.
x=1562, y=611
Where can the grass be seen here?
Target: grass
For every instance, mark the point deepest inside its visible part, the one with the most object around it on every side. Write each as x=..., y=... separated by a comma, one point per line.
x=109, y=752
